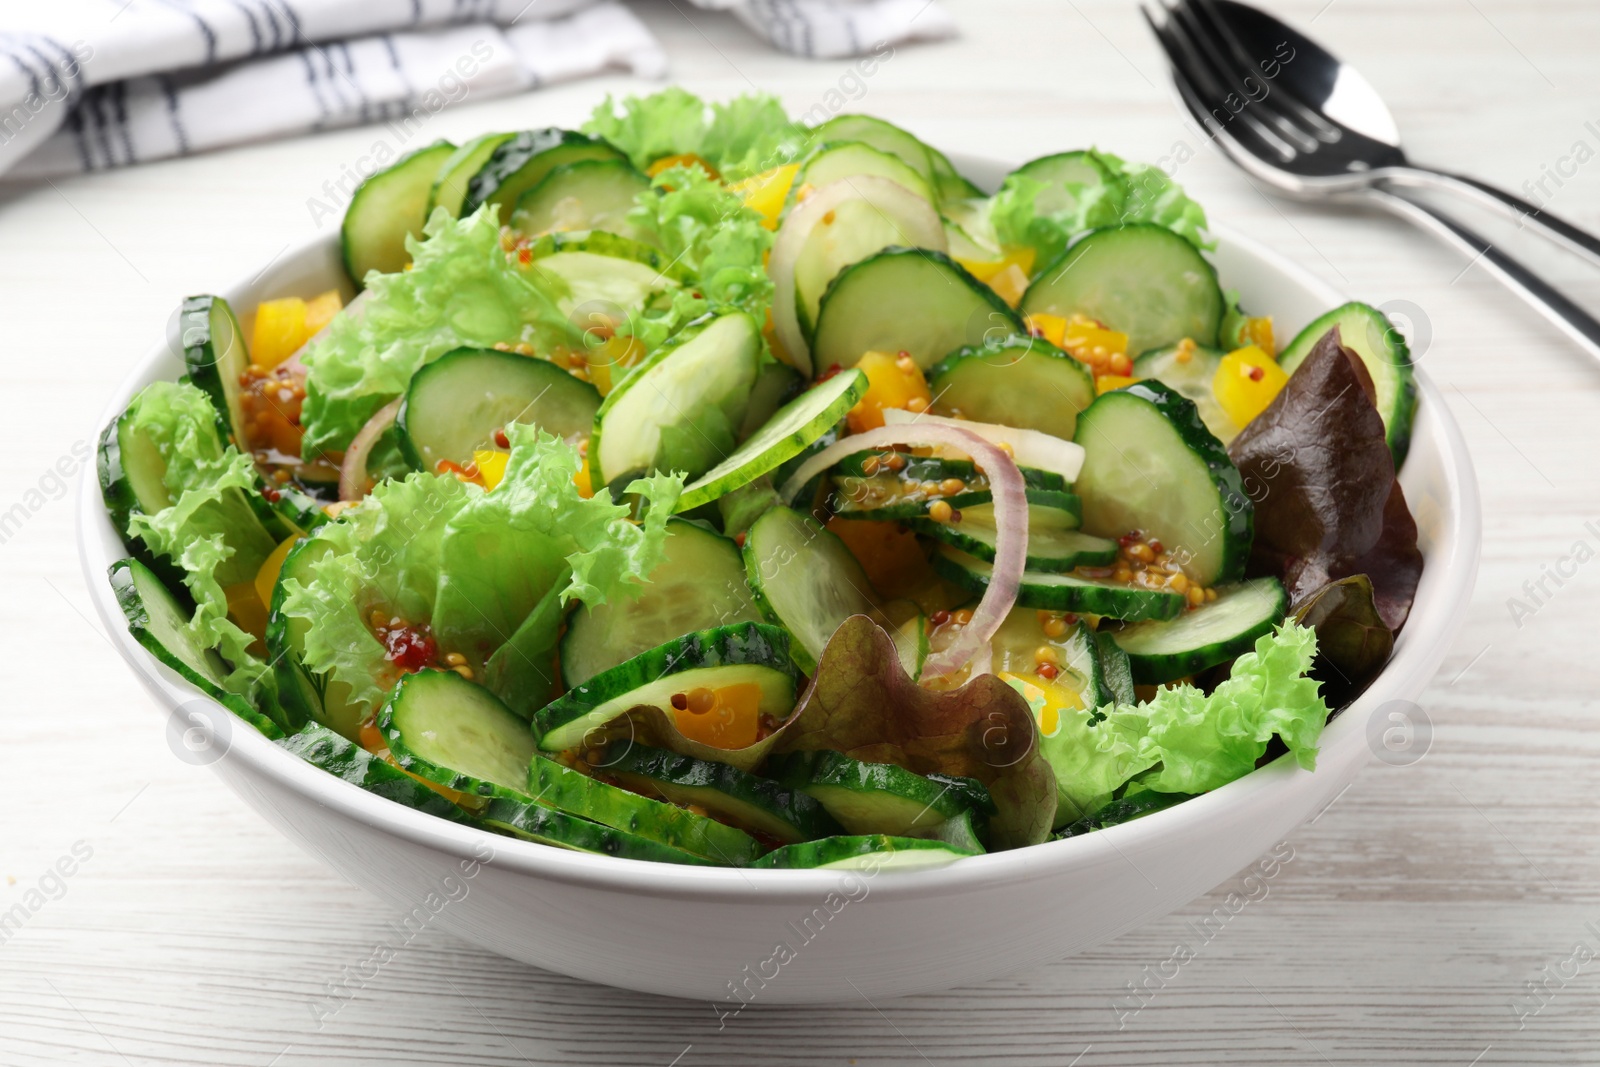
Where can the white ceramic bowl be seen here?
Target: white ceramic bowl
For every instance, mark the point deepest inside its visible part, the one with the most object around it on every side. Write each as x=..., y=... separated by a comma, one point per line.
x=816, y=936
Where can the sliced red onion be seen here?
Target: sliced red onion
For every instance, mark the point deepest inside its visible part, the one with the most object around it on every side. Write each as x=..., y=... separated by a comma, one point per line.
x=971, y=645
x=910, y=214
x=353, y=472
x=1029, y=448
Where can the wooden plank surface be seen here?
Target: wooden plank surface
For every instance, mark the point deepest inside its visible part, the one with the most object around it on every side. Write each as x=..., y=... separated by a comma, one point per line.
x=1415, y=909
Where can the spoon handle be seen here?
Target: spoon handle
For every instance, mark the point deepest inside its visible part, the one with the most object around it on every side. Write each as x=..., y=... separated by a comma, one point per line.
x=1514, y=207
x=1569, y=317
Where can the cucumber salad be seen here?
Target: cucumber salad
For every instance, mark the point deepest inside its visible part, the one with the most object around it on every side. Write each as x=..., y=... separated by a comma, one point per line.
x=705, y=488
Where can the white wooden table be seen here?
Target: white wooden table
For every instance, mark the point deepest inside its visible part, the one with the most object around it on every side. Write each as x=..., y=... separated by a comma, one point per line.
x=1415, y=910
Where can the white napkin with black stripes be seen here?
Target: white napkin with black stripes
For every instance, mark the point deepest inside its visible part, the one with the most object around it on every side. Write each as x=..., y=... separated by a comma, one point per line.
x=90, y=84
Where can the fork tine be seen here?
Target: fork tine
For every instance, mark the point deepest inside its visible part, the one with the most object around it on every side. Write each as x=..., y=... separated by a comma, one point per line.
x=1286, y=101
x=1242, y=81
x=1209, y=93
x=1241, y=145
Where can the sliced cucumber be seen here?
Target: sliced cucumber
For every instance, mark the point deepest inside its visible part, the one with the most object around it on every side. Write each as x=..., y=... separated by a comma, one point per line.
x=970, y=216
x=160, y=623
x=947, y=181
x=805, y=580
x=1063, y=592
x=591, y=194
x=1368, y=333
x=454, y=732
x=1019, y=381
x=1078, y=666
x=1054, y=541
x=884, y=136
x=1205, y=636
x=854, y=230
x=455, y=404
x=879, y=798
x=576, y=793
x=1190, y=369
x=797, y=426
x=349, y=762
x=839, y=160
x=523, y=817
x=899, y=486
x=776, y=386
x=1139, y=278
x=132, y=475
x=215, y=358
x=728, y=655
x=596, y=283
x=455, y=173
x=699, y=584
x=522, y=161
x=877, y=852
x=304, y=695
x=1151, y=465
x=1063, y=171
x=611, y=246
x=677, y=411
x=906, y=300
x=1135, y=805
x=758, y=804
x=388, y=207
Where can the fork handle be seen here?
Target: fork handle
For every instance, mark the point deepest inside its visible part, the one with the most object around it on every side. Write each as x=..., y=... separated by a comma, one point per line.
x=1514, y=207
x=1569, y=317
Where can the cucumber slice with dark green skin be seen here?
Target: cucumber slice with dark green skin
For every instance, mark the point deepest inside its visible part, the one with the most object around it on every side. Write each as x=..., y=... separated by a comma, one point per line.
x=1191, y=377
x=838, y=160
x=797, y=426
x=523, y=160
x=576, y=793
x=699, y=584
x=759, y=804
x=454, y=732
x=305, y=696
x=1203, y=637
x=1055, y=543
x=215, y=358
x=590, y=194
x=1063, y=592
x=388, y=207
x=959, y=832
x=132, y=476
x=349, y=762
x=1135, y=805
x=879, y=798
x=948, y=183
x=678, y=410
x=776, y=386
x=805, y=580
x=1064, y=169
x=884, y=136
x=875, y=852
x=866, y=486
x=1019, y=381
x=728, y=655
x=456, y=172
x=159, y=622
x=906, y=300
x=1139, y=278
x=1151, y=465
x=520, y=816
x=1368, y=333
x=1079, y=667
x=455, y=404
x=602, y=289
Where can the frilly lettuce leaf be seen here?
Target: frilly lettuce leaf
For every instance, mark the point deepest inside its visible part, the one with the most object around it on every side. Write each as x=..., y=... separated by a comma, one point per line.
x=862, y=703
x=210, y=529
x=1089, y=763
x=1142, y=193
x=475, y=566
x=1204, y=741
x=745, y=136
x=462, y=289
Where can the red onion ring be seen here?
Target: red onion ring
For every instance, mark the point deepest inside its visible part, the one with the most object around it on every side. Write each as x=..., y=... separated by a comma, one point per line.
x=971, y=646
x=353, y=472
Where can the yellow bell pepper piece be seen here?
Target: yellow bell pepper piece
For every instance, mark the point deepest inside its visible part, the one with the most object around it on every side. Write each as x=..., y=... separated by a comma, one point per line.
x=584, y=480
x=684, y=159
x=248, y=612
x=1083, y=336
x=1258, y=331
x=1107, y=382
x=1246, y=381
x=985, y=270
x=727, y=717
x=491, y=466
x=320, y=311
x=282, y=326
x=1047, y=698
x=1010, y=284
x=267, y=576
x=765, y=193
x=1052, y=328
x=892, y=382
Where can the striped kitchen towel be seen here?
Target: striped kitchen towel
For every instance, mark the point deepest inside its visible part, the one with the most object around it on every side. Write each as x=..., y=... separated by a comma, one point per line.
x=90, y=84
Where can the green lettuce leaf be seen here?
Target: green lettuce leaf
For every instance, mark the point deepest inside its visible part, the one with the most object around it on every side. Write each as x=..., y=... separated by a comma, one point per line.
x=1201, y=741
x=745, y=136
x=1089, y=763
x=671, y=122
x=462, y=289
x=210, y=529
x=750, y=134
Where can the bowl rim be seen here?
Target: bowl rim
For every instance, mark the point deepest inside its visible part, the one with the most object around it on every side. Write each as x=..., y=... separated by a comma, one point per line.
x=1416, y=658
